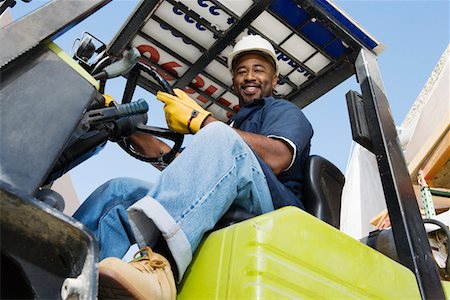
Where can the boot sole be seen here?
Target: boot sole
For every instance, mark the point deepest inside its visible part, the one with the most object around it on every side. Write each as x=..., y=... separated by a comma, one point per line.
x=112, y=286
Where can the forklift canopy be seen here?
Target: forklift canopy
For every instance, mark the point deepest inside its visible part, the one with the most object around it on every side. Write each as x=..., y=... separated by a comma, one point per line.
x=188, y=43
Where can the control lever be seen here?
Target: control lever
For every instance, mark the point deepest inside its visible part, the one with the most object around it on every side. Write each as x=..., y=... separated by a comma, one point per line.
x=106, y=114
x=122, y=66
x=114, y=122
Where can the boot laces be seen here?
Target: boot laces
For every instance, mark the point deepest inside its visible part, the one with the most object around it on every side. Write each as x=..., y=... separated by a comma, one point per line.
x=147, y=262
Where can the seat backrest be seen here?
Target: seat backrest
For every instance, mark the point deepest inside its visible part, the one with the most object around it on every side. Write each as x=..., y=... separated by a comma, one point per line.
x=322, y=190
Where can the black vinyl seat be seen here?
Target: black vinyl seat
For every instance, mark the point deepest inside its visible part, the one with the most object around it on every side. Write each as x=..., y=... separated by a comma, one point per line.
x=322, y=190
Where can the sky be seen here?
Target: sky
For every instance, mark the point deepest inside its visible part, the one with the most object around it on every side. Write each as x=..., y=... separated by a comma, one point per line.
x=415, y=34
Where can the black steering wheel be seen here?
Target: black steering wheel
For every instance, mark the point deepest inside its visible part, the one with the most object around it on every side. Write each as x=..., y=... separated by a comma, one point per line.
x=164, y=159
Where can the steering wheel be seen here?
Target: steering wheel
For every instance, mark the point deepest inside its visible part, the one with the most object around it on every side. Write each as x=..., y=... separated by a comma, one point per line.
x=164, y=159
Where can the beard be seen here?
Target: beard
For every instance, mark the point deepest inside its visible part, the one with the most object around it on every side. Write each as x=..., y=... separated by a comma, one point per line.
x=250, y=94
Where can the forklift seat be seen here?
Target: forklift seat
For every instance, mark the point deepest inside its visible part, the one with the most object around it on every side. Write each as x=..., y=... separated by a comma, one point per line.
x=322, y=189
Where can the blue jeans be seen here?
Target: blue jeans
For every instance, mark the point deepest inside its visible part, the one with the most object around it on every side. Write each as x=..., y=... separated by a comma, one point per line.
x=191, y=195
x=104, y=213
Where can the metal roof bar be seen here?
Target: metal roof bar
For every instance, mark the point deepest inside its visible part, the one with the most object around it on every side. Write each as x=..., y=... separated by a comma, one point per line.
x=179, y=33
x=343, y=68
x=257, y=8
x=224, y=8
x=155, y=87
x=165, y=48
x=195, y=16
x=131, y=27
x=317, y=11
x=254, y=30
x=184, y=60
x=299, y=33
x=321, y=84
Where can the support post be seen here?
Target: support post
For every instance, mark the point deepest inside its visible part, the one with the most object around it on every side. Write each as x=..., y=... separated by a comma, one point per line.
x=411, y=239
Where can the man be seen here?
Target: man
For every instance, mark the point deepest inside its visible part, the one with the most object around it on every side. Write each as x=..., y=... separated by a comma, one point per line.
x=256, y=162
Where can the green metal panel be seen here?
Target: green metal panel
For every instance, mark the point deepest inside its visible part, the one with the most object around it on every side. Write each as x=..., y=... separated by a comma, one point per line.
x=446, y=286
x=291, y=254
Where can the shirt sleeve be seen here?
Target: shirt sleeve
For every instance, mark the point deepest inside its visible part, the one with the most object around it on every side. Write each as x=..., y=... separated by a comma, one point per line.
x=283, y=120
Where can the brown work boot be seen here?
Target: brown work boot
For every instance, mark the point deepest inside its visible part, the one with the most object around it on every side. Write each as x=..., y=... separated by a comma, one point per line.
x=146, y=277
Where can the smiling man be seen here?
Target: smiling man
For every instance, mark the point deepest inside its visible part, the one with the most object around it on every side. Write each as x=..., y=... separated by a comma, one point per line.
x=255, y=162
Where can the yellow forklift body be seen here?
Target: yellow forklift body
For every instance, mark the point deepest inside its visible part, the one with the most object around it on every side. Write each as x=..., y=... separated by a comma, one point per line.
x=291, y=254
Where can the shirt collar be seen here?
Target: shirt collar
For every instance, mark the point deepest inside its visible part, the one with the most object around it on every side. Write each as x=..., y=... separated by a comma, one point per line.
x=246, y=111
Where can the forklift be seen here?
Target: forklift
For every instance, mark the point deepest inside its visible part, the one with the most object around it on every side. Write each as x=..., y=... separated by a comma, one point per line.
x=166, y=44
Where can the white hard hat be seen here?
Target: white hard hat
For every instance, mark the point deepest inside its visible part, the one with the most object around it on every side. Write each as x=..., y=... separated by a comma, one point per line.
x=251, y=43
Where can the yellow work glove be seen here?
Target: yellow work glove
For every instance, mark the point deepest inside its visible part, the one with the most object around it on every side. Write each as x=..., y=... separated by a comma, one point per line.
x=183, y=114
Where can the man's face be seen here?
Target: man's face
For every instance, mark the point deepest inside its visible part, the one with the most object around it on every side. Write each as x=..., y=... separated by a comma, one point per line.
x=254, y=78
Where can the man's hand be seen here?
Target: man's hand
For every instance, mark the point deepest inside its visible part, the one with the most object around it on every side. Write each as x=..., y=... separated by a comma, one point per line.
x=183, y=114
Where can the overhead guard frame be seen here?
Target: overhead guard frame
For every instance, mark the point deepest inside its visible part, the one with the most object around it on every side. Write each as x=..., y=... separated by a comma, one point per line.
x=301, y=95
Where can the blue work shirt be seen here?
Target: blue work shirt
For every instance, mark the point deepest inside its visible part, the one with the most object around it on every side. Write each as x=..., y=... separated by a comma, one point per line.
x=279, y=119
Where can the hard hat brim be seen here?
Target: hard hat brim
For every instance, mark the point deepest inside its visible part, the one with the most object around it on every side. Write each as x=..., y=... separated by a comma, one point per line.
x=267, y=55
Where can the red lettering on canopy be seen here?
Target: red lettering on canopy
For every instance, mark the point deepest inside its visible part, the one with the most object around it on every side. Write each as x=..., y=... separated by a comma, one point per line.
x=224, y=101
x=153, y=54
x=168, y=71
x=209, y=91
x=202, y=98
x=189, y=90
x=198, y=82
x=170, y=66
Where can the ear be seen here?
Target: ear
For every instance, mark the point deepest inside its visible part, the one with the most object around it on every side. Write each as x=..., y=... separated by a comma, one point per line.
x=274, y=81
x=233, y=86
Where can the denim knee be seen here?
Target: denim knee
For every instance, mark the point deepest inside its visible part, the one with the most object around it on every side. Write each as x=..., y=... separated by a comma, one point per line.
x=218, y=130
x=221, y=137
